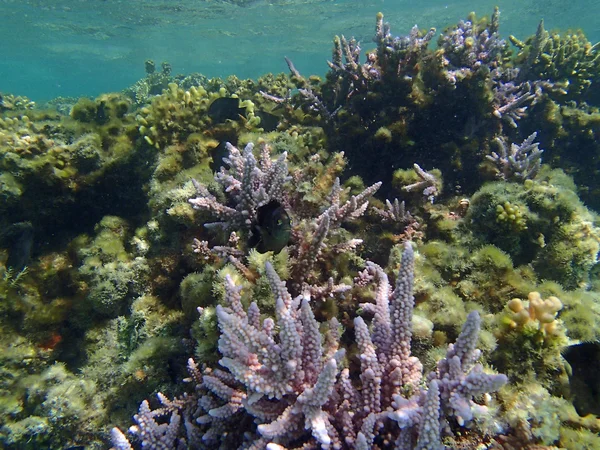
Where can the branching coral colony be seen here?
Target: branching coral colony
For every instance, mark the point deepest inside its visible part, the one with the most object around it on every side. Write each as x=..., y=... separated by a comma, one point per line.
x=288, y=386
x=287, y=381
x=249, y=185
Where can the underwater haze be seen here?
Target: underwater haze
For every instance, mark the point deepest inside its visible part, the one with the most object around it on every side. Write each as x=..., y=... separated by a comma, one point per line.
x=84, y=47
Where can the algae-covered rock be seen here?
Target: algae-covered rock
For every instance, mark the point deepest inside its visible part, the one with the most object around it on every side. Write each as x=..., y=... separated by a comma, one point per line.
x=87, y=153
x=53, y=167
x=58, y=408
x=111, y=275
x=102, y=110
x=541, y=222
x=196, y=290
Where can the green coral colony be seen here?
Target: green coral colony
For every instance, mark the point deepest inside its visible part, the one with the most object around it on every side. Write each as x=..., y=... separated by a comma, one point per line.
x=226, y=245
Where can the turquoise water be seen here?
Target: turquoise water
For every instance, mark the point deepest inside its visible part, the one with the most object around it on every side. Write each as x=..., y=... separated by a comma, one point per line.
x=79, y=47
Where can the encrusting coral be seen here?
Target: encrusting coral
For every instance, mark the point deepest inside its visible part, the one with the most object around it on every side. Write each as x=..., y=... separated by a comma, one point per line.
x=532, y=327
x=538, y=310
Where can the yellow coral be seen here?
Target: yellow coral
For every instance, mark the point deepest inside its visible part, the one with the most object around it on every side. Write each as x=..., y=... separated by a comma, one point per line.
x=512, y=215
x=535, y=313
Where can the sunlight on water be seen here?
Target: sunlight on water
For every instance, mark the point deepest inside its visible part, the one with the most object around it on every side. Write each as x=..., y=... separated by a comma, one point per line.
x=86, y=47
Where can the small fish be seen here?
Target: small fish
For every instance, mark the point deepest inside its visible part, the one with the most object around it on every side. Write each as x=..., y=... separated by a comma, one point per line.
x=102, y=116
x=272, y=229
x=228, y=108
x=268, y=121
x=218, y=154
x=225, y=108
x=584, y=376
x=18, y=240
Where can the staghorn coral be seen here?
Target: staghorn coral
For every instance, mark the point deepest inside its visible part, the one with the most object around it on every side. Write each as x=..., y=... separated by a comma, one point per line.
x=285, y=376
x=471, y=46
x=569, y=61
x=399, y=54
x=388, y=103
x=522, y=162
x=512, y=99
x=395, y=212
x=429, y=184
x=249, y=184
x=395, y=62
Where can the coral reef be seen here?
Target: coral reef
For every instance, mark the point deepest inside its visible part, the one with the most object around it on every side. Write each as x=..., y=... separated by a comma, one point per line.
x=386, y=105
x=542, y=222
x=262, y=205
x=108, y=275
x=249, y=185
x=288, y=381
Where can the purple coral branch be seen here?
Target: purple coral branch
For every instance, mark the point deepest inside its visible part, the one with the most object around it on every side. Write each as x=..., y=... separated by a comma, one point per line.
x=520, y=162
x=248, y=184
x=284, y=376
x=460, y=378
x=511, y=101
x=429, y=184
